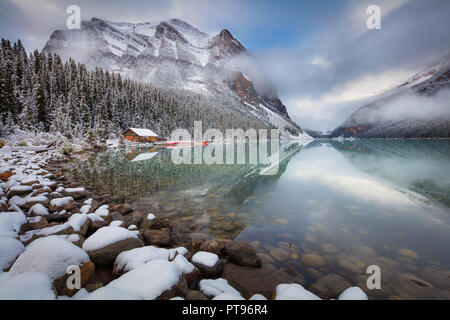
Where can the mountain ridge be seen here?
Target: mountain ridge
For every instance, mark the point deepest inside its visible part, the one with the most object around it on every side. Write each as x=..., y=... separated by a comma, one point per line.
x=174, y=54
x=418, y=108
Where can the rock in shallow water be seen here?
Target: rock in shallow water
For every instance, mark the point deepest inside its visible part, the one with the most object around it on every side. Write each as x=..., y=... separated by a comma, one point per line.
x=157, y=237
x=250, y=281
x=313, y=260
x=329, y=286
x=242, y=253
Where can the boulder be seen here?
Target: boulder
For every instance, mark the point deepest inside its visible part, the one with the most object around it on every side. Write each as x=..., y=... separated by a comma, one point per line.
x=136, y=258
x=217, y=287
x=250, y=281
x=108, y=242
x=313, y=260
x=160, y=238
x=134, y=218
x=353, y=293
x=27, y=286
x=19, y=191
x=59, y=204
x=123, y=209
x=437, y=278
x=76, y=193
x=215, y=246
x=293, y=292
x=34, y=223
x=242, y=253
x=195, y=295
x=156, y=280
x=329, y=286
x=5, y=175
x=10, y=249
x=30, y=202
x=52, y=256
x=208, y=263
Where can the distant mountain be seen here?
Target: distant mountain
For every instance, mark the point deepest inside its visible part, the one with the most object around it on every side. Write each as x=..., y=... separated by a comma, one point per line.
x=174, y=54
x=418, y=108
x=318, y=134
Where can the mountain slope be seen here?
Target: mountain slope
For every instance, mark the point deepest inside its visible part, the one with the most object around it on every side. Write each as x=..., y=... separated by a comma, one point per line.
x=174, y=54
x=418, y=108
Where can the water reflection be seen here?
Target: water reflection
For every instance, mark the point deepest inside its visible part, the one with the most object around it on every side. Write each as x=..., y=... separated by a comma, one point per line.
x=331, y=208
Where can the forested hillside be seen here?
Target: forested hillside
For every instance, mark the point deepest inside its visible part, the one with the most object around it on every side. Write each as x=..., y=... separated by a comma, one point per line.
x=40, y=92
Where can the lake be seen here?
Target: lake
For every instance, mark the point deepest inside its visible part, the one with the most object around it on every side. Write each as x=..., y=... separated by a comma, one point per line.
x=328, y=208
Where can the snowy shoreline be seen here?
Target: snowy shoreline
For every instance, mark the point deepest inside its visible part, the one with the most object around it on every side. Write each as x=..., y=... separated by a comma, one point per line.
x=48, y=223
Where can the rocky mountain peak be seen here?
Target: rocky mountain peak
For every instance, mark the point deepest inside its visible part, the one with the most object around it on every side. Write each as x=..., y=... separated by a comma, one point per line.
x=226, y=45
x=174, y=54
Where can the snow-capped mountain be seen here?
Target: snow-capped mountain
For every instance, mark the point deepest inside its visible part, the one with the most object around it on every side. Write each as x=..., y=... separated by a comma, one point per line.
x=174, y=54
x=418, y=108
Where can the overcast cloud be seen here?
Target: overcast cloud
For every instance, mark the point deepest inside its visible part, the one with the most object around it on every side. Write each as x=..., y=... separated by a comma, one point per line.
x=319, y=54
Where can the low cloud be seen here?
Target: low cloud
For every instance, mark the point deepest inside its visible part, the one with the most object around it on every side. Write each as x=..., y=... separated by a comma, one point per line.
x=413, y=106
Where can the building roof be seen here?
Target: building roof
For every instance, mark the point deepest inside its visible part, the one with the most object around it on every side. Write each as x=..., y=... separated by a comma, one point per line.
x=143, y=132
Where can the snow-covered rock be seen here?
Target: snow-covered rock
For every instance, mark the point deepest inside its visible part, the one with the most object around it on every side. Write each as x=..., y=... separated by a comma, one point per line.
x=157, y=279
x=116, y=223
x=52, y=256
x=26, y=286
x=10, y=223
x=207, y=259
x=258, y=297
x=136, y=258
x=108, y=242
x=61, y=204
x=79, y=223
x=293, y=292
x=10, y=249
x=213, y=288
x=228, y=297
x=38, y=210
x=353, y=293
x=208, y=263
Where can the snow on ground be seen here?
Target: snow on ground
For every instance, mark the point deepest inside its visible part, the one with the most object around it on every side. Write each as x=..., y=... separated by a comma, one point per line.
x=205, y=258
x=353, y=293
x=10, y=249
x=50, y=255
x=26, y=286
x=294, y=292
x=106, y=236
x=214, y=288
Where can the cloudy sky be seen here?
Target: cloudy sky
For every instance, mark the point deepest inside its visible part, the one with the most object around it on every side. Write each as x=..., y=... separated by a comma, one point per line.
x=320, y=54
